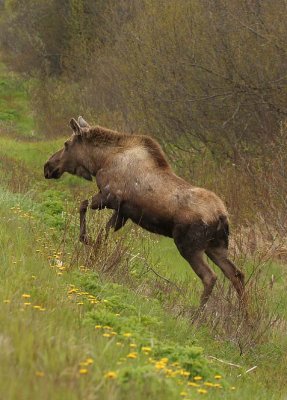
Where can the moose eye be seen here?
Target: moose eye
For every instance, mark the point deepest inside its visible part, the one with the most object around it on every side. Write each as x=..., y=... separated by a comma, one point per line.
x=66, y=144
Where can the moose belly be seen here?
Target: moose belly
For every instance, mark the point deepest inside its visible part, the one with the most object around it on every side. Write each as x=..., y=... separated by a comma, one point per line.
x=147, y=221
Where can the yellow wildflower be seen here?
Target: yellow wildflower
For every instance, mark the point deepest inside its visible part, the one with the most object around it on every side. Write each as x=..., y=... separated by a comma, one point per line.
x=133, y=345
x=217, y=376
x=202, y=391
x=132, y=355
x=89, y=361
x=127, y=334
x=159, y=365
x=83, y=364
x=40, y=374
x=7, y=301
x=37, y=307
x=146, y=349
x=183, y=394
x=197, y=378
x=106, y=334
x=98, y=326
x=83, y=371
x=26, y=296
x=111, y=375
x=193, y=384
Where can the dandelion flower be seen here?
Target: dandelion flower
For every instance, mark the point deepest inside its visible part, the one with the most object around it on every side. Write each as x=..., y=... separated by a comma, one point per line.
x=98, y=326
x=209, y=384
x=111, y=375
x=127, y=334
x=27, y=304
x=146, y=349
x=83, y=371
x=89, y=361
x=202, y=391
x=217, y=376
x=83, y=364
x=26, y=296
x=193, y=384
x=132, y=355
x=106, y=334
x=159, y=365
x=197, y=378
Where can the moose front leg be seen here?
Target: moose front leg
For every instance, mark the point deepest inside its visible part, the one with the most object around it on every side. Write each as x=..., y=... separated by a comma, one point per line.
x=83, y=225
x=96, y=204
x=99, y=202
x=117, y=221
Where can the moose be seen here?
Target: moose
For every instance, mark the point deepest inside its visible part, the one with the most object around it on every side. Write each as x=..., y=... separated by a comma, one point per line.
x=136, y=181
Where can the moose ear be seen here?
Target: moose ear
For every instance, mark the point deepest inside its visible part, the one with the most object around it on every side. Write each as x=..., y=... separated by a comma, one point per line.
x=75, y=126
x=82, y=123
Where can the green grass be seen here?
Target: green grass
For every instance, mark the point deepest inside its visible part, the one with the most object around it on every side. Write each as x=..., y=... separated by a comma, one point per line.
x=15, y=114
x=42, y=350
x=54, y=340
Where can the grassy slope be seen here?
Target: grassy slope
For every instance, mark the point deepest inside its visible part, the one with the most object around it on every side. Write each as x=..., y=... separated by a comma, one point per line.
x=56, y=352
x=15, y=114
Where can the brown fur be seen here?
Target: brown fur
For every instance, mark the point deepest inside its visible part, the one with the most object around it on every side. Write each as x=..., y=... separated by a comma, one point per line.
x=136, y=181
x=106, y=137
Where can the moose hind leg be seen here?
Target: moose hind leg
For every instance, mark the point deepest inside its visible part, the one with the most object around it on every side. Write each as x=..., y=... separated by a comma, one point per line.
x=205, y=273
x=193, y=250
x=219, y=256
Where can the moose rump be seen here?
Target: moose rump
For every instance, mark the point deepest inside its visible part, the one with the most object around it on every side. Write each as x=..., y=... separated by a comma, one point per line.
x=136, y=181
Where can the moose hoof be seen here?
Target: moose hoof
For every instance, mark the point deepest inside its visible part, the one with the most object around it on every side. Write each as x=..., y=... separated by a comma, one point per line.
x=84, y=205
x=85, y=239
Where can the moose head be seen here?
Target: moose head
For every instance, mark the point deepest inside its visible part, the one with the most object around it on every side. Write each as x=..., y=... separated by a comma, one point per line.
x=71, y=157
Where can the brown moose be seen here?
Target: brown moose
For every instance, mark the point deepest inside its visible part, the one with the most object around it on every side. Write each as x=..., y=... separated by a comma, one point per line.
x=136, y=181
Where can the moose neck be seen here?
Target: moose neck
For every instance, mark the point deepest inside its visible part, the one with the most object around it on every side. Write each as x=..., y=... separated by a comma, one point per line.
x=100, y=143
x=97, y=157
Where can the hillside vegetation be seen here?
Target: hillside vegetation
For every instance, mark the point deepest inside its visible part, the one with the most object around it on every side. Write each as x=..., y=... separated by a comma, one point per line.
x=117, y=320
